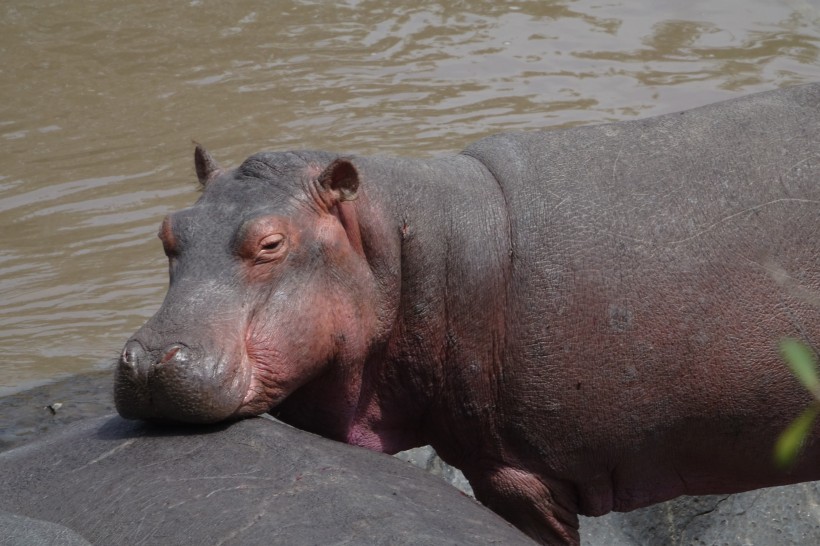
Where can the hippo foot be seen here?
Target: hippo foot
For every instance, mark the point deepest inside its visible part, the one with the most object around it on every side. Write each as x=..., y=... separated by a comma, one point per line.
x=527, y=502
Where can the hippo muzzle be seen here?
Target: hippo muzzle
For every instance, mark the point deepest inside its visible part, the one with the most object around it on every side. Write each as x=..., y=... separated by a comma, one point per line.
x=177, y=382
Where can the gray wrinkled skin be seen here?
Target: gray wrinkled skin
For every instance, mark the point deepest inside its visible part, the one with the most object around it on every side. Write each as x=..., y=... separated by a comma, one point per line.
x=110, y=481
x=582, y=321
x=16, y=530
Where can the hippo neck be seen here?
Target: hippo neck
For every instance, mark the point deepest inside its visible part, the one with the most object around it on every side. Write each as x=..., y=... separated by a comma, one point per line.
x=444, y=222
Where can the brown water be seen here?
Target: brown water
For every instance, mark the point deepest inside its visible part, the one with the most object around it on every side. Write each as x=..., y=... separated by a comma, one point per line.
x=100, y=101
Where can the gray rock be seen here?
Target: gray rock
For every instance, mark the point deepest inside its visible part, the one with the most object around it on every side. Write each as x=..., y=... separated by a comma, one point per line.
x=425, y=457
x=779, y=515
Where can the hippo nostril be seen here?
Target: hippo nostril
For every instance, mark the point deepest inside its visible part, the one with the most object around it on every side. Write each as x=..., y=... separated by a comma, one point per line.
x=175, y=354
x=132, y=353
x=169, y=355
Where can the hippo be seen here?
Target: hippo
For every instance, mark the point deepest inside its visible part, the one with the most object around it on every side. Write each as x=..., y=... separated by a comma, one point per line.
x=110, y=481
x=583, y=320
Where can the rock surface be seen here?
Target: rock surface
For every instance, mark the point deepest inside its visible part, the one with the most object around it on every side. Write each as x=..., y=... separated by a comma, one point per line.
x=784, y=516
x=779, y=515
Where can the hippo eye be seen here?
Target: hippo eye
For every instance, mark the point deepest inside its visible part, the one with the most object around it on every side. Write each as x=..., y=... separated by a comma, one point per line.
x=272, y=242
x=166, y=235
x=270, y=247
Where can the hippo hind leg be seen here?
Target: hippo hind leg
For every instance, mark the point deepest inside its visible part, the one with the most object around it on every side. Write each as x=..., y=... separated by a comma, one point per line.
x=525, y=501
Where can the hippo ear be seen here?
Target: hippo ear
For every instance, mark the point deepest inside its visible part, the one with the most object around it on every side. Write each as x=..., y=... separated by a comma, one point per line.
x=206, y=166
x=340, y=181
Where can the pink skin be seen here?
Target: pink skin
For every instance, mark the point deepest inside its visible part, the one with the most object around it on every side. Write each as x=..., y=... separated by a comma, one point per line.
x=326, y=355
x=291, y=329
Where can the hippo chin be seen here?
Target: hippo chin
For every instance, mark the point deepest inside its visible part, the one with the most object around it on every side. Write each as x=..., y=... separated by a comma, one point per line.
x=582, y=321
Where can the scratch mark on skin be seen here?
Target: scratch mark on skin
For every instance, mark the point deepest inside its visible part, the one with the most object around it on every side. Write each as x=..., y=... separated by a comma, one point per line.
x=712, y=226
x=564, y=200
x=138, y=531
x=615, y=163
x=108, y=453
x=243, y=475
x=221, y=489
x=794, y=289
x=805, y=159
x=790, y=284
x=250, y=522
x=182, y=456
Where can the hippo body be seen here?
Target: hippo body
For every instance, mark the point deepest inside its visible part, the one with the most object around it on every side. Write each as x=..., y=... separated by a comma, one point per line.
x=109, y=481
x=581, y=320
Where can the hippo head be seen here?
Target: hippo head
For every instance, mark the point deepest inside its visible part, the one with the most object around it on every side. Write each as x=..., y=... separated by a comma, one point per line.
x=270, y=294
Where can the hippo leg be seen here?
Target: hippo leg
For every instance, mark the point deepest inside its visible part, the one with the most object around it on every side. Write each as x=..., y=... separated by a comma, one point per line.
x=527, y=502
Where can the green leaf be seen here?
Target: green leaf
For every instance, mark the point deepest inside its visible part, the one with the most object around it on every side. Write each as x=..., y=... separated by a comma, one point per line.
x=801, y=360
x=791, y=440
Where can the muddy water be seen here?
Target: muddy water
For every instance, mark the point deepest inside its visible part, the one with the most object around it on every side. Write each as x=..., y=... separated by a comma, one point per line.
x=99, y=102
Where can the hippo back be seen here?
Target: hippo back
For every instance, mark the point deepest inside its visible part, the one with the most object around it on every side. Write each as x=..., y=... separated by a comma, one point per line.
x=656, y=264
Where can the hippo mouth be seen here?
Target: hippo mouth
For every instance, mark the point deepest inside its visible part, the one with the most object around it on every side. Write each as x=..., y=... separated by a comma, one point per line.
x=265, y=390
x=179, y=384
